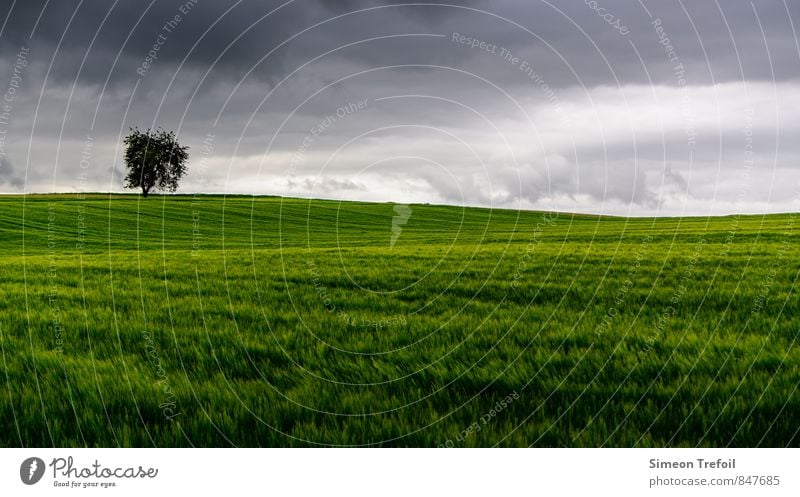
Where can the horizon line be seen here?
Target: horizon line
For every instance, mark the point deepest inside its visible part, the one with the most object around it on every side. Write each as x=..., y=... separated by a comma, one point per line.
x=430, y=204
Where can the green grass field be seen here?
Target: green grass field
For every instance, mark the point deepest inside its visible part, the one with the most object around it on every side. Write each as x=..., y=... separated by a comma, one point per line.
x=213, y=321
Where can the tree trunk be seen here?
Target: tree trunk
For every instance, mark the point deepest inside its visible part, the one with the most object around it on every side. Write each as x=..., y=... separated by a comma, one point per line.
x=145, y=191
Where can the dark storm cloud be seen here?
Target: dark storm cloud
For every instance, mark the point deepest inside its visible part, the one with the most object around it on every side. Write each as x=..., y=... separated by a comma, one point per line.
x=595, y=99
x=116, y=37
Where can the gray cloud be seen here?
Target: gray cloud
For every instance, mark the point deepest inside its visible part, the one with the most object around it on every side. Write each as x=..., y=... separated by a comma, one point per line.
x=9, y=175
x=578, y=115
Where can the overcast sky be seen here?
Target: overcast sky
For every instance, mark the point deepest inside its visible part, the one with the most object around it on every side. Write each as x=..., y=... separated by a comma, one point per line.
x=623, y=107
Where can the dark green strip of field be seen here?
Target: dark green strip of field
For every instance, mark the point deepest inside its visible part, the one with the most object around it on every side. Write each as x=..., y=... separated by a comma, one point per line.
x=242, y=321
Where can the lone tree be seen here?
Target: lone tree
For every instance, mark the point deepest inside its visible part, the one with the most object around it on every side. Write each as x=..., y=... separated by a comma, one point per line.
x=155, y=160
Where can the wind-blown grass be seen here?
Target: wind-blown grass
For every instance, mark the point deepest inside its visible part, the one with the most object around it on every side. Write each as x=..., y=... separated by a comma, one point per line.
x=214, y=321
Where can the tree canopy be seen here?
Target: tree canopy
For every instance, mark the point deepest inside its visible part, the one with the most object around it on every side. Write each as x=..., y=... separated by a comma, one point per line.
x=155, y=160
